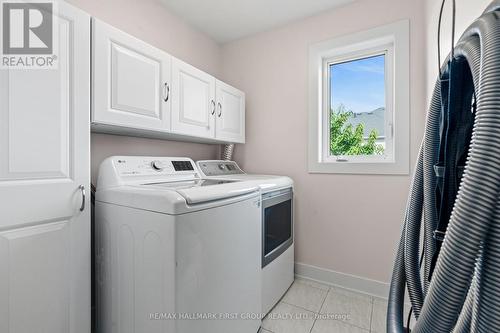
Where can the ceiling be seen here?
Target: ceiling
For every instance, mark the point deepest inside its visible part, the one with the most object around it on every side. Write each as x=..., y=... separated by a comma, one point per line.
x=228, y=20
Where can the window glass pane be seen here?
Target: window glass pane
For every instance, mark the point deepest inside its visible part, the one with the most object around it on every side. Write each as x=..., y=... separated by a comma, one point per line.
x=357, y=107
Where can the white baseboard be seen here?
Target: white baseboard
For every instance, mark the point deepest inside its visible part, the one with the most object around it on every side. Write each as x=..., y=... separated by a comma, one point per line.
x=343, y=280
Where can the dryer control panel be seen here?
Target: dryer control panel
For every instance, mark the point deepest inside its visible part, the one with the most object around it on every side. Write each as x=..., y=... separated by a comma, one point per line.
x=219, y=168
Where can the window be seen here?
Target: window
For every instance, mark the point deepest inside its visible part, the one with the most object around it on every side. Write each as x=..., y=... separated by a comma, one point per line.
x=359, y=117
x=358, y=109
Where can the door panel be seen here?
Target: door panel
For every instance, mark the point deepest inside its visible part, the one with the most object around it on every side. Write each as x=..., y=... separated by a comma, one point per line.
x=44, y=158
x=230, y=113
x=193, y=101
x=35, y=268
x=35, y=119
x=37, y=148
x=131, y=80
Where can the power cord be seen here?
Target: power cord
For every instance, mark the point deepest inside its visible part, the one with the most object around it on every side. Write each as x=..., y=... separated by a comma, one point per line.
x=452, y=33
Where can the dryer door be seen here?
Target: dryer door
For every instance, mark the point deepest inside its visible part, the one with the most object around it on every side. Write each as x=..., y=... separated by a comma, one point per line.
x=277, y=224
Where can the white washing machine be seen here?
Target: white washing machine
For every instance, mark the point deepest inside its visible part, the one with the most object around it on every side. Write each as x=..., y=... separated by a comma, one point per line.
x=175, y=253
x=277, y=249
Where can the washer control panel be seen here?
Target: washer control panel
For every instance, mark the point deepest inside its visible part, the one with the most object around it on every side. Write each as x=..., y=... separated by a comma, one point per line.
x=134, y=170
x=153, y=166
x=219, y=168
x=158, y=165
x=182, y=165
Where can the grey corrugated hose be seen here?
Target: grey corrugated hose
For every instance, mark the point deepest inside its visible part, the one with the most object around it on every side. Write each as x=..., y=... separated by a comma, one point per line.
x=464, y=293
x=227, y=152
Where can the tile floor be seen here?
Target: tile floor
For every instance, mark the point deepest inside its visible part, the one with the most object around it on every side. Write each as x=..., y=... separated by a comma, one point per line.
x=311, y=307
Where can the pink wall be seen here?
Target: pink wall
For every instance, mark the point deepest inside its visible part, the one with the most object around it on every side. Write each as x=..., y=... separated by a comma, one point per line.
x=150, y=21
x=346, y=223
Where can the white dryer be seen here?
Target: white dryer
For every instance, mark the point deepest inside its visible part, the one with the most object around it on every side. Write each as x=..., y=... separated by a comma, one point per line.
x=277, y=250
x=175, y=253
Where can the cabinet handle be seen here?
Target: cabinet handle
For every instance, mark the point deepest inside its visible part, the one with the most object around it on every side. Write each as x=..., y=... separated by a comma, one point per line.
x=166, y=88
x=213, y=107
x=82, y=190
x=220, y=109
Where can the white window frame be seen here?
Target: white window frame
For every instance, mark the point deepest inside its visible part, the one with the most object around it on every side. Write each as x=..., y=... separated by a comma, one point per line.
x=387, y=51
x=391, y=40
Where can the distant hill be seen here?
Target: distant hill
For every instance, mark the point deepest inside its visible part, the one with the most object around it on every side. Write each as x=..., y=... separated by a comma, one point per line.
x=372, y=120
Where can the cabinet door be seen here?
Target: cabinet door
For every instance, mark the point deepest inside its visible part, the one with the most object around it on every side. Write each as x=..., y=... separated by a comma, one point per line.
x=230, y=111
x=193, y=101
x=131, y=82
x=44, y=159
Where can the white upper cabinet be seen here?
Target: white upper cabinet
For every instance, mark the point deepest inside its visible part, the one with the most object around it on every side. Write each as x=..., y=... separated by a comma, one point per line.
x=230, y=120
x=143, y=91
x=131, y=81
x=193, y=101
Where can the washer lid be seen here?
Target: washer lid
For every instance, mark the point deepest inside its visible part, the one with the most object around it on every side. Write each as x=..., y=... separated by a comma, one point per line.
x=205, y=190
x=179, y=185
x=161, y=199
x=197, y=195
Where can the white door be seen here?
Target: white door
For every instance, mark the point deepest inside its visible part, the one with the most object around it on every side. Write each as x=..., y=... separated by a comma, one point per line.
x=230, y=111
x=44, y=158
x=193, y=101
x=131, y=80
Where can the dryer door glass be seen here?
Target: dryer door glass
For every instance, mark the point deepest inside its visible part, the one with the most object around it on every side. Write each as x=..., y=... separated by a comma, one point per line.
x=277, y=226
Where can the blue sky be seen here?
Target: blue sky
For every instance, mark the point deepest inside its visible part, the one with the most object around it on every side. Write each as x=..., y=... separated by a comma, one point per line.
x=359, y=84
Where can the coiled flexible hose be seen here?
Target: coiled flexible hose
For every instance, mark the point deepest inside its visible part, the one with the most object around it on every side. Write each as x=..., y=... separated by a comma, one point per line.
x=464, y=293
x=227, y=152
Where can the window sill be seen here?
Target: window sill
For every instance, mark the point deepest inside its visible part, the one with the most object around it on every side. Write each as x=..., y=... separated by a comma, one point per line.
x=368, y=168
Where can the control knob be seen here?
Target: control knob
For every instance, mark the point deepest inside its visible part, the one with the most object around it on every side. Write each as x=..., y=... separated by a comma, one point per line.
x=157, y=165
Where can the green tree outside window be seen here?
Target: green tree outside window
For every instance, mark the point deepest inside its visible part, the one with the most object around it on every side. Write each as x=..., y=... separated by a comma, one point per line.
x=346, y=139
